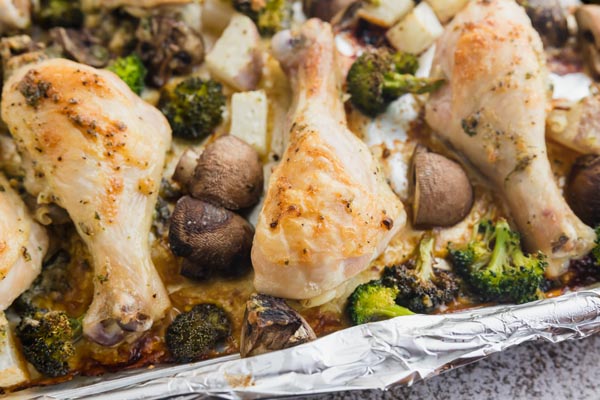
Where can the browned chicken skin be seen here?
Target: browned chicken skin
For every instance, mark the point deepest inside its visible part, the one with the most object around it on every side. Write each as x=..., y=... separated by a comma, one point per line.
x=493, y=110
x=328, y=211
x=98, y=151
x=23, y=245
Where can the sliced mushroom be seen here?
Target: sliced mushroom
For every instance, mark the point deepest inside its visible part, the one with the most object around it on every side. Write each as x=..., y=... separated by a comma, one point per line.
x=211, y=238
x=442, y=193
x=588, y=20
x=348, y=17
x=583, y=189
x=16, y=51
x=184, y=171
x=270, y=324
x=549, y=18
x=82, y=46
x=324, y=9
x=110, y=4
x=229, y=173
x=168, y=46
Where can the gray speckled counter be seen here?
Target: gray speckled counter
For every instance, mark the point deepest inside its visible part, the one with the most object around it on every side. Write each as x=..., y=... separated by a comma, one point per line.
x=568, y=370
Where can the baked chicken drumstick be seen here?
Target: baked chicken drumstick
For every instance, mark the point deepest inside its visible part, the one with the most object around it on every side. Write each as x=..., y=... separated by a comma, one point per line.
x=23, y=245
x=328, y=211
x=98, y=151
x=493, y=111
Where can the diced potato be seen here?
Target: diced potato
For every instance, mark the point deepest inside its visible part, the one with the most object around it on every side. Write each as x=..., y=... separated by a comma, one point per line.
x=387, y=13
x=13, y=370
x=249, y=119
x=415, y=33
x=216, y=14
x=447, y=9
x=236, y=57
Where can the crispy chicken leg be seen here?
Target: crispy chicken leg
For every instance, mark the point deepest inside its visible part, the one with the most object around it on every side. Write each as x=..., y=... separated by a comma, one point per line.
x=493, y=110
x=23, y=245
x=98, y=151
x=328, y=210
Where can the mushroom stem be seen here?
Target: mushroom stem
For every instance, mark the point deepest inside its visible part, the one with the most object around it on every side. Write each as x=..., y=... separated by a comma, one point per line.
x=184, y=171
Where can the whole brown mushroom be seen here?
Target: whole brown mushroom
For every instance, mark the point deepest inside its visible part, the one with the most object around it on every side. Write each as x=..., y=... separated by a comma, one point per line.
x=210, y=238
x=229, y=173
x=583, y=189
x=324, y=9
x=549, y=18
x=588, y=21
x=441, y=191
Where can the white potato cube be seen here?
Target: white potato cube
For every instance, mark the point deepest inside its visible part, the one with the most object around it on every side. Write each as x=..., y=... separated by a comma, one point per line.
x=447, y=9
x=387, y=13
x=249, y=118
x=13, y=369
x=236, y=57
x=415, y=33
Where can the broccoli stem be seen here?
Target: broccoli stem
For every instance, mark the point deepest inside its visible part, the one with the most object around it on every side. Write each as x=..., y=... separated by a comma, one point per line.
x=425, y=258
x=500, y=253
x=395, y=84
x=392, y=311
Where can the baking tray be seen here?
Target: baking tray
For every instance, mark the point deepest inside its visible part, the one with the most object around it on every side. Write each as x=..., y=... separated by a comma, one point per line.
x=379, y=355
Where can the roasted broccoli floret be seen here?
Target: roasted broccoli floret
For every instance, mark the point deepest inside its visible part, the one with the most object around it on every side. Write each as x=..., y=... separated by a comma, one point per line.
x=65, y=13
x=270, y=16
x=379, y=77
x=494, y=265
x=194, y=107
x=373, y=301
x=47, y=339
x=421, y=287
x=131, y=70
x=195, y=332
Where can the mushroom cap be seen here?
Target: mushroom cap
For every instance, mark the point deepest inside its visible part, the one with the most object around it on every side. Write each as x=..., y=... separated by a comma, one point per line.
x=588, y=21
x=583, y=189
x=211, y=238
x=549, y=18
x=442, y=193
x=324, y=9
x=229, y=173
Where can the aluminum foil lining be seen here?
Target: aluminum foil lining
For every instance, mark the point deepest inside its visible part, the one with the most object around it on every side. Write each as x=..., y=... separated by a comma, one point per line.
x=372, y=356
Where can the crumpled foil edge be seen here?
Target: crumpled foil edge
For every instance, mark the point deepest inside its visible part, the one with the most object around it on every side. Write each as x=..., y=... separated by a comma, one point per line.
x=372, y=356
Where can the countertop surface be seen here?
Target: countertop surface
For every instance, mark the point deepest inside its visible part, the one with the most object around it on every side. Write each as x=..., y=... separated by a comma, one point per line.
x=536, y=370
